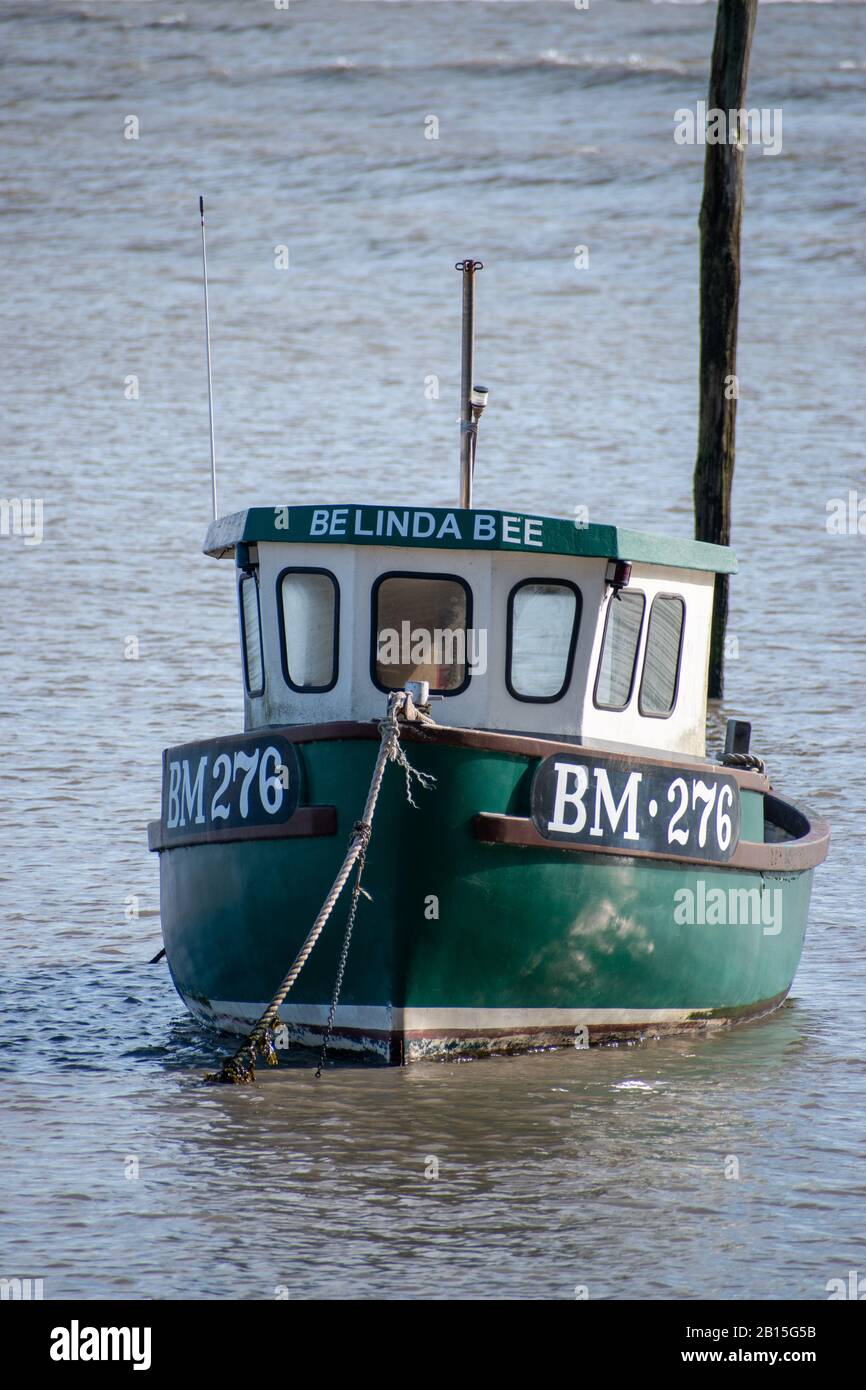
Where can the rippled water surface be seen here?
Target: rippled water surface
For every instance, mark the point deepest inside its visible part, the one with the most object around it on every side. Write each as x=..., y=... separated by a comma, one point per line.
x=305, y=129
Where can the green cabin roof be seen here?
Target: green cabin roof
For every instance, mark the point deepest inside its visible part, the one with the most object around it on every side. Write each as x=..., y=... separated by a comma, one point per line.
x=459, y=529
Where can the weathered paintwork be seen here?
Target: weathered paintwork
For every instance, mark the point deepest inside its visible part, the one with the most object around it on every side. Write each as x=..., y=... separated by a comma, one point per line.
x=467, y=946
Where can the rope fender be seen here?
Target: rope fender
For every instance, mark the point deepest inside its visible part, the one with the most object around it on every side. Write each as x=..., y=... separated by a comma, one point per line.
x=239, y=1069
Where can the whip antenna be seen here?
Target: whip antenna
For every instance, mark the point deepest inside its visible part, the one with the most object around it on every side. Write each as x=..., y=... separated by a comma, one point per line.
x=209, y=380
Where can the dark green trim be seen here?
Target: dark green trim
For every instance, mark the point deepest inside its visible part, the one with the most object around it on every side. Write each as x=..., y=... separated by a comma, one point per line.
x=440, y=529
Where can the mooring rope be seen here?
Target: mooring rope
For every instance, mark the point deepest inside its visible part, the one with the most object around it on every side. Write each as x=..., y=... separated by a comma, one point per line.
x=240, y=1067
x=749, y=761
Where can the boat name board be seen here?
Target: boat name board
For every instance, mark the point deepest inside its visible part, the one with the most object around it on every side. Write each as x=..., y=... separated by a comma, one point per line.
x=229, y=783
x=438, y=528
x=629, y=805
x=415, y=524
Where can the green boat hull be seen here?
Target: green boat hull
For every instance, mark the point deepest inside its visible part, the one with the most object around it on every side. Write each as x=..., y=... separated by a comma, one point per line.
x=470, y=947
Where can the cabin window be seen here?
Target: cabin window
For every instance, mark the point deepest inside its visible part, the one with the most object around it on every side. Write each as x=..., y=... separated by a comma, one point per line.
x=661, y=667
x=422, y=632
x=543, y=619
x=251, y=635
x=622, y=631
x=309, y=610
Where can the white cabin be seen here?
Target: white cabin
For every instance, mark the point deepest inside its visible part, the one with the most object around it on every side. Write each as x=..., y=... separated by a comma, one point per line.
x=519, y=624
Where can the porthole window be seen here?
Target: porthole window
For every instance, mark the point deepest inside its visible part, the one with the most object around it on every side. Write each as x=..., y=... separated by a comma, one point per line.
x=309, y=609
x=251, y=635
x=661, y=667
x=422, y=632
x=615, y=680
x=543, y=621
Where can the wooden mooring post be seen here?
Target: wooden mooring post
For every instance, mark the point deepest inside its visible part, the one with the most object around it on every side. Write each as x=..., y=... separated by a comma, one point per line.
x=720, y=222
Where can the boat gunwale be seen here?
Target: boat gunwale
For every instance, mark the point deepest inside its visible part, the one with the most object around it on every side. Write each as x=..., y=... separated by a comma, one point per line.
x=795, y=855
x=497, y=741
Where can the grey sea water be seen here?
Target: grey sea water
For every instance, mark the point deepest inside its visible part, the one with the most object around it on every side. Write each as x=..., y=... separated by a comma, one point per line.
x=305, y=129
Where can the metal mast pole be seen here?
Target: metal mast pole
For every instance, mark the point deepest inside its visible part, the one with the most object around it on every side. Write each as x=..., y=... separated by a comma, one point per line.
x=467, y=424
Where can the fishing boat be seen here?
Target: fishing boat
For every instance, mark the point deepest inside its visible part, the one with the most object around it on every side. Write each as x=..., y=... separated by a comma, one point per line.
x=576, y=869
